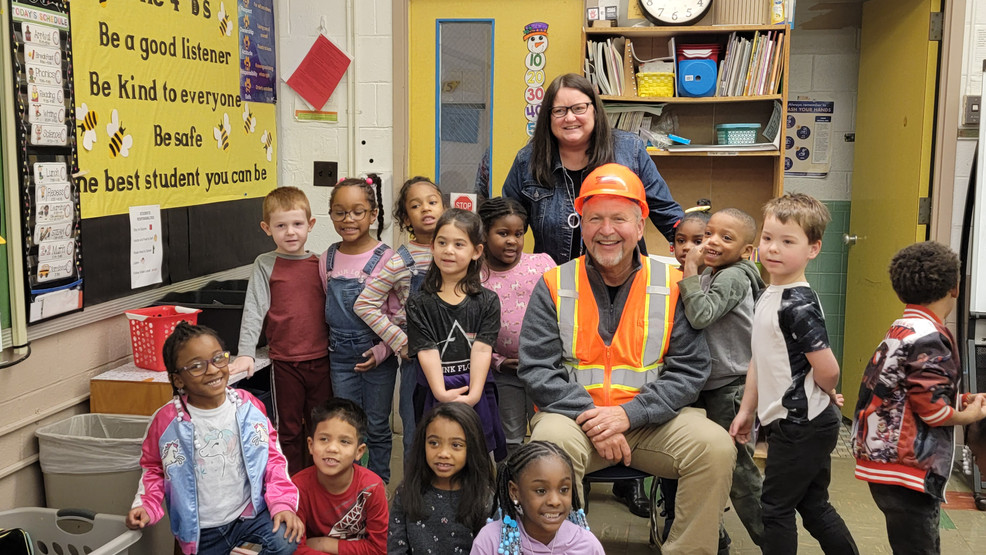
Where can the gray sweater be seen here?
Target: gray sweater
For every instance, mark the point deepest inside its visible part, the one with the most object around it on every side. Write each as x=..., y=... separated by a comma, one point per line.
x=721, y=303
x=546, y=378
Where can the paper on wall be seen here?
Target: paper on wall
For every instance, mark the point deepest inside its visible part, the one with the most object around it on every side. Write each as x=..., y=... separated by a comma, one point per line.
x=145, y=245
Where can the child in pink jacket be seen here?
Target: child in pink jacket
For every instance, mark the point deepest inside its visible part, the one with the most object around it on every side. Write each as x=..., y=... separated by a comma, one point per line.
x=212, y=455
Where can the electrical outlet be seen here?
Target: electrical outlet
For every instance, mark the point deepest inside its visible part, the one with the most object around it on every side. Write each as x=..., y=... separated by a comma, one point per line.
x=325, y=174
x=970, y=113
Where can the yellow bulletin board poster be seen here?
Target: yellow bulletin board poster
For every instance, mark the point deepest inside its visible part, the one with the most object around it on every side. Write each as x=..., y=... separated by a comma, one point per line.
x=160, y=107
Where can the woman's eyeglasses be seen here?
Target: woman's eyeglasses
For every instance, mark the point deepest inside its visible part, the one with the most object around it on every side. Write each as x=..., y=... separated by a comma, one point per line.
x=577, y=109
x=197, y=368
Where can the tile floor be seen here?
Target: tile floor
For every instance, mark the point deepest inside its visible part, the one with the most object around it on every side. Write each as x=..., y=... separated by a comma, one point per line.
x=963, y=527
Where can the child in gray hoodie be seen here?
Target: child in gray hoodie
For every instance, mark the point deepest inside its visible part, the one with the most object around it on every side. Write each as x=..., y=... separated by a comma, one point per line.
x=720, y=300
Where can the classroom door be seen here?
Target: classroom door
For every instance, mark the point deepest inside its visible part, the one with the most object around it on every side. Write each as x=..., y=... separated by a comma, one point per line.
x=467, y=59
x=895, y=115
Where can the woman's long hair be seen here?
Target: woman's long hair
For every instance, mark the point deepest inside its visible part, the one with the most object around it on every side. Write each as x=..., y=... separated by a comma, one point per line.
x=544, y=145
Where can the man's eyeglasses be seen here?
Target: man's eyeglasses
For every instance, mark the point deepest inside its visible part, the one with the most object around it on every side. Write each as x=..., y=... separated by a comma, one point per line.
x=577, y=109
x=356, y=214
x=197, y=368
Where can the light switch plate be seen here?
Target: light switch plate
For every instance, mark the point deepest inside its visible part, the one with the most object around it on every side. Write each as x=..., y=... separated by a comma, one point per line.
x=325, y=174
x=972, y=107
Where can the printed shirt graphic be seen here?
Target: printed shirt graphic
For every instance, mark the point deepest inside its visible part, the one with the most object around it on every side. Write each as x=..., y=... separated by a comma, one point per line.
x=220, y=474
x=353, y=522
x=451, y=329
x=787, y=323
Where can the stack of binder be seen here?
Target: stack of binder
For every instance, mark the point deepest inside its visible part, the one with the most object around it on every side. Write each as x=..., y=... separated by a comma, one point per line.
x=752, y=67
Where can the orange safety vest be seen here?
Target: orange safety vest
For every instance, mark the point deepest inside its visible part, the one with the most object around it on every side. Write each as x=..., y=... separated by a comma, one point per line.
x=613, y=374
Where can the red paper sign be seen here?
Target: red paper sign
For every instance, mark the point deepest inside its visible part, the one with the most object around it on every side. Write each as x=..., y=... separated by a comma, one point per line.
x=320, y=72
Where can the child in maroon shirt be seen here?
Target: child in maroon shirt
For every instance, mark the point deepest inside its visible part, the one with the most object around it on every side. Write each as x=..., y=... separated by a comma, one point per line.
x=285, y=298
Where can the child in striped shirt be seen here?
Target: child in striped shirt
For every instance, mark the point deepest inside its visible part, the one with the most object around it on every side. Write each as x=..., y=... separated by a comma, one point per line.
x=418, y=207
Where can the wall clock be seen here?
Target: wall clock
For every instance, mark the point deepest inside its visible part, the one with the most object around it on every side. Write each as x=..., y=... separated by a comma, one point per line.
x=674, y=12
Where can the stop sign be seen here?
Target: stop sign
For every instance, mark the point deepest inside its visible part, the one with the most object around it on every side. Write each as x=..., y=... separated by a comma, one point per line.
x=465, y=201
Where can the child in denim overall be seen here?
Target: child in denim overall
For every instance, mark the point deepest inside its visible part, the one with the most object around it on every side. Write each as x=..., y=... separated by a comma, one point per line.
x=362, y=370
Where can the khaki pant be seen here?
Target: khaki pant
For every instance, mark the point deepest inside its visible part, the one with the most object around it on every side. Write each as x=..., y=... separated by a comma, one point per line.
x=689, y=447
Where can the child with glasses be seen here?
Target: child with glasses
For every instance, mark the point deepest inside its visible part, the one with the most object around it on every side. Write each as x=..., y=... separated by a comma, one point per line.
x=364, y=369
x=212, y=456
x=285, y=299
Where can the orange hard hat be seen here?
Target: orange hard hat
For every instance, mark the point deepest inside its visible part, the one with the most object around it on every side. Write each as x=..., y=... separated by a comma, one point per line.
x=616, y=180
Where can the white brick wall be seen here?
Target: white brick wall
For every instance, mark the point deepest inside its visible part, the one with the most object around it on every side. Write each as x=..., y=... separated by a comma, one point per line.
x=369, y=41
x=825, y=66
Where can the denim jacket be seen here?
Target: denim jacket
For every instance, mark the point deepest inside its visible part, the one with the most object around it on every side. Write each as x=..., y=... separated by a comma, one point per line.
x=550, y=205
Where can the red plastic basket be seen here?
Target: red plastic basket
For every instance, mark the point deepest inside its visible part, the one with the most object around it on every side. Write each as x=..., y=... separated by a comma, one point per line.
x=150, y=326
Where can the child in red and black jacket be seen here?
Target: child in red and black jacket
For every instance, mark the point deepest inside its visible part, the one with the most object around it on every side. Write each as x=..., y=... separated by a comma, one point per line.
x=907, y=402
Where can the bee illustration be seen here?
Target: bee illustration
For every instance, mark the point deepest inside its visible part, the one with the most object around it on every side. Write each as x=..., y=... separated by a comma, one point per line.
x=88, y=125
x=120, y=141
x=267, y=139
x=222, y=133
x=224, y=26
x=249, y=122
x=102, y=3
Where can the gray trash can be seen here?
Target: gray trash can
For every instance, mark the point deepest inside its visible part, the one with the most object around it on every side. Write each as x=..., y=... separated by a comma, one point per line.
x=92, y=461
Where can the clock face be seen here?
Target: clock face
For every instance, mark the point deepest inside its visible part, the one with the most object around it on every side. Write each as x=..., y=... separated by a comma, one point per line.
x=674, y=12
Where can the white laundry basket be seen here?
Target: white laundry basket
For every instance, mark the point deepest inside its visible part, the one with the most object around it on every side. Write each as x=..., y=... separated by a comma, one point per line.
x=72, y=530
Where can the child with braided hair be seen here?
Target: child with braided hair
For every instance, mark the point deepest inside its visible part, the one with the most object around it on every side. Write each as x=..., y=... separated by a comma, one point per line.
x=540, y=508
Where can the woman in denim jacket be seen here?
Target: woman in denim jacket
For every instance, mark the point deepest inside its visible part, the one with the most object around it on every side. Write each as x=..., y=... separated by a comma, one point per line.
x=572, y=136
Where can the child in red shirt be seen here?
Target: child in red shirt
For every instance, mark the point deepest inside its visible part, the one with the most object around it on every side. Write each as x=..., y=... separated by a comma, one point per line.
x=343, y=505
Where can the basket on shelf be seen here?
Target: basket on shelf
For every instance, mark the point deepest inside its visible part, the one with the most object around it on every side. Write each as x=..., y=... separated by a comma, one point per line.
x=655, y=84
x=149, y=327
x=737, y=133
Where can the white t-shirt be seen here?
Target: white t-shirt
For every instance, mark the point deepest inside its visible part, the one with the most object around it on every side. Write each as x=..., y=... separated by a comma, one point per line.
x=787, y=323
x=220, y=475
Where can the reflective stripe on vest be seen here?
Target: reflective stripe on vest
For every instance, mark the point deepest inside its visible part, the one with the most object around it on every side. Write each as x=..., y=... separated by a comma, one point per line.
x=615, y=373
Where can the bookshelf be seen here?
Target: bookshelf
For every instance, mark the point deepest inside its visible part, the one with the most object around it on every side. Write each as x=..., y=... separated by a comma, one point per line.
x=731, y=176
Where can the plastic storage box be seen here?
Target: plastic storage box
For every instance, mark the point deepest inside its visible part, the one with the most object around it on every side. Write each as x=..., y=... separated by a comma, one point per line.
x=72, y=531
x=697, y=78
x=737, y=133
x=92, y=462
x=149, y=327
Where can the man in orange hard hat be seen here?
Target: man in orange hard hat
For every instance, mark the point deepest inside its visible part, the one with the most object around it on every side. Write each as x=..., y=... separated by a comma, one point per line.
x=613, y=364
